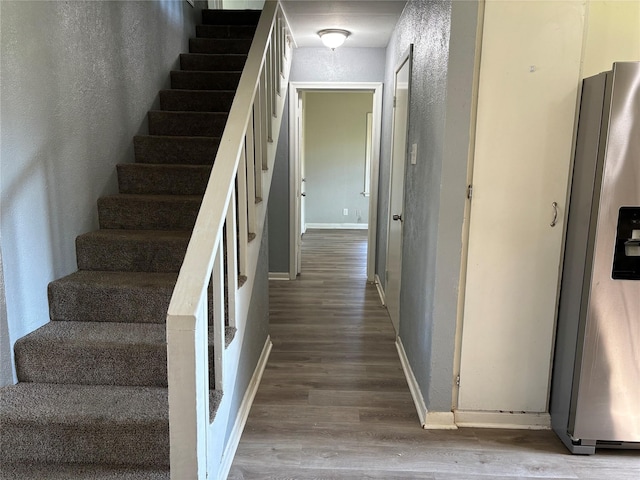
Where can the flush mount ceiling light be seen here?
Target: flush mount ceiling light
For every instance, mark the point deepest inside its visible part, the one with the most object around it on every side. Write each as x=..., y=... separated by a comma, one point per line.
x=333, y=37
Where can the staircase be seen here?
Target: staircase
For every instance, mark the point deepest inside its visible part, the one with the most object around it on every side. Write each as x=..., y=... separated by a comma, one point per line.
x=92, y=399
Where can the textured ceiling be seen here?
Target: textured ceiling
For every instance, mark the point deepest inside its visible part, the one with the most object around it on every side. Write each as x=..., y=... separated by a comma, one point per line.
x=369, y=21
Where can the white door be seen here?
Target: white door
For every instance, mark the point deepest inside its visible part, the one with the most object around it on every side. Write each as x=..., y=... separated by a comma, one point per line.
x=302, y=179
x=298, y=226
x=396, y=194
x=530, y=72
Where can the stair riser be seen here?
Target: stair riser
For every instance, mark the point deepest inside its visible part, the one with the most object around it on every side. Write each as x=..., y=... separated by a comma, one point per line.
x=205, y=80
x=230, y=17
x=145, y=444
x=187, y=124
x=196, y=101
x=126, y=255
x=212, y=63
x=163, y=180
x=175, y=150
x=126, y=212
x=45, y=361
x=91, y=364
x=219, y=46
x=225, y=31
x=103, y=303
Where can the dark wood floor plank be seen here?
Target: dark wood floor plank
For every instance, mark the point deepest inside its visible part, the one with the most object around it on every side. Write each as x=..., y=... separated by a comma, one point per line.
x=334, y=403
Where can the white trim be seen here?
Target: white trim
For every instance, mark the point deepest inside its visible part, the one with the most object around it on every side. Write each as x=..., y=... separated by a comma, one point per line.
x=337, y=226
x=380, y=290
x=243, y=412
x=279, y=276
x=376, y=88
x=440, y=421
x=515, y=420
x=428, y=420
x=418, y=399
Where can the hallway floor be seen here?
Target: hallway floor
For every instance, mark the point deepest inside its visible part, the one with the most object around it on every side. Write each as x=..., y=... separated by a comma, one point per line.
x=334, y=402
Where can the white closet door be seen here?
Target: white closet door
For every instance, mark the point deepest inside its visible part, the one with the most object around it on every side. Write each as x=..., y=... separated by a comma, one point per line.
x=529, y=78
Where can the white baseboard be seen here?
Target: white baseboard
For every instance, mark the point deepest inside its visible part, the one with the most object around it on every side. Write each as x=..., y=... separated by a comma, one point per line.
x=338, y=226
x=440, y=421
x=428, y=420
x=279, y=276
x=418, y=400
x=243, y=412
x=380, y=290
x=517, y=420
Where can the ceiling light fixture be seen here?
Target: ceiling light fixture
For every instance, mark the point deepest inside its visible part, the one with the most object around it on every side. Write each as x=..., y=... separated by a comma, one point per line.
x=333, y=37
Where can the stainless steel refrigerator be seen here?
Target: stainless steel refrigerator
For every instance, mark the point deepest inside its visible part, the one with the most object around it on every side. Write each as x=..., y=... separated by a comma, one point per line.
x=595, y=395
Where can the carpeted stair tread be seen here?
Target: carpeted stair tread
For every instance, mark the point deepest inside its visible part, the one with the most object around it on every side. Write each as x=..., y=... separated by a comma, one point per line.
x=132, y=250
x=148, y=212
x=197, y=100
x=163, y=179
x=171, y=150
x=230, y=17
x=205, y=124
x=196, y=80
x=219, y=45
x=44, y=471
x=94, y=353
x=212, y=62
x=225, y=31
x=95, y=296
x=84, y=423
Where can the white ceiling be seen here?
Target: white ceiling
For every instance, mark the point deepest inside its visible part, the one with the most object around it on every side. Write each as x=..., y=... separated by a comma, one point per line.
x=369, y=21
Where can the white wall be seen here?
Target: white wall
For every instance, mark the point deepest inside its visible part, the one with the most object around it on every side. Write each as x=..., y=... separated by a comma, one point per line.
x=612, y=35
x=335, y=140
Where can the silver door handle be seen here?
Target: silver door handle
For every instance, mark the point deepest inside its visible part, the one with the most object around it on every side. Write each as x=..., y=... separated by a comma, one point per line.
x=397, y=217
x=554, y=220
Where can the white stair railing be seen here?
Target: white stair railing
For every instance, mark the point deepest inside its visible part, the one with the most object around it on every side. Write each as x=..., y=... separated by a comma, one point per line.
x=228, y=217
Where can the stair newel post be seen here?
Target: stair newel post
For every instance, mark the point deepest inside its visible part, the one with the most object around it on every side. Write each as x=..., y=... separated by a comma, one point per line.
x=188, y=377
x=243, y=221
x=217, y=281
x=232, y=259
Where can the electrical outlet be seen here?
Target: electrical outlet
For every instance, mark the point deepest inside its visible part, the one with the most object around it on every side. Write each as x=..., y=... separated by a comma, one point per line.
x=345, y=212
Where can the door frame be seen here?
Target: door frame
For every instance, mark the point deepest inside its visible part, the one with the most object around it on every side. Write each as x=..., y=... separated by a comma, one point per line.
x=295, y=89
x=405, y=59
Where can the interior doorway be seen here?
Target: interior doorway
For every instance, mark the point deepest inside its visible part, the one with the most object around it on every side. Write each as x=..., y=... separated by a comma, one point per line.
x=334, y=168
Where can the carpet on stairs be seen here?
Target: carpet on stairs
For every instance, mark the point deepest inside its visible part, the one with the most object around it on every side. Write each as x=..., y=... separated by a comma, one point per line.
x=92, y=401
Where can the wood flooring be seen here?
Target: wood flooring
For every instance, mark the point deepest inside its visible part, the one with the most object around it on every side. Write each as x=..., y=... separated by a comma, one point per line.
x=334, y=402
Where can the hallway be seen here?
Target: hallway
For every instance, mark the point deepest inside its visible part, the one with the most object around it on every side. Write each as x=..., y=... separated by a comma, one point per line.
x=334, y=402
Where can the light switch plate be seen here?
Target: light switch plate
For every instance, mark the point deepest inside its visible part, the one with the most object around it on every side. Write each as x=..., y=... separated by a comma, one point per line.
x=414, y=154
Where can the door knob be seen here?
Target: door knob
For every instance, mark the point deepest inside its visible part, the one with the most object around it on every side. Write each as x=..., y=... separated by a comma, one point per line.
x=397, y=217
x=303, y=194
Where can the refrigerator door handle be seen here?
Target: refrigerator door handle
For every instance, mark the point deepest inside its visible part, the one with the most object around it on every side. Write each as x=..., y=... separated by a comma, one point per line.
x=554, y=220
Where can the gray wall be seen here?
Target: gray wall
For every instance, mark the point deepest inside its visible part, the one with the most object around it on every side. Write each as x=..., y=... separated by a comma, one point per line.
x=334, y=144
x=312, y=65
x=255, y=331
x=278, y=209
x=77, y=79
x=443, y=34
